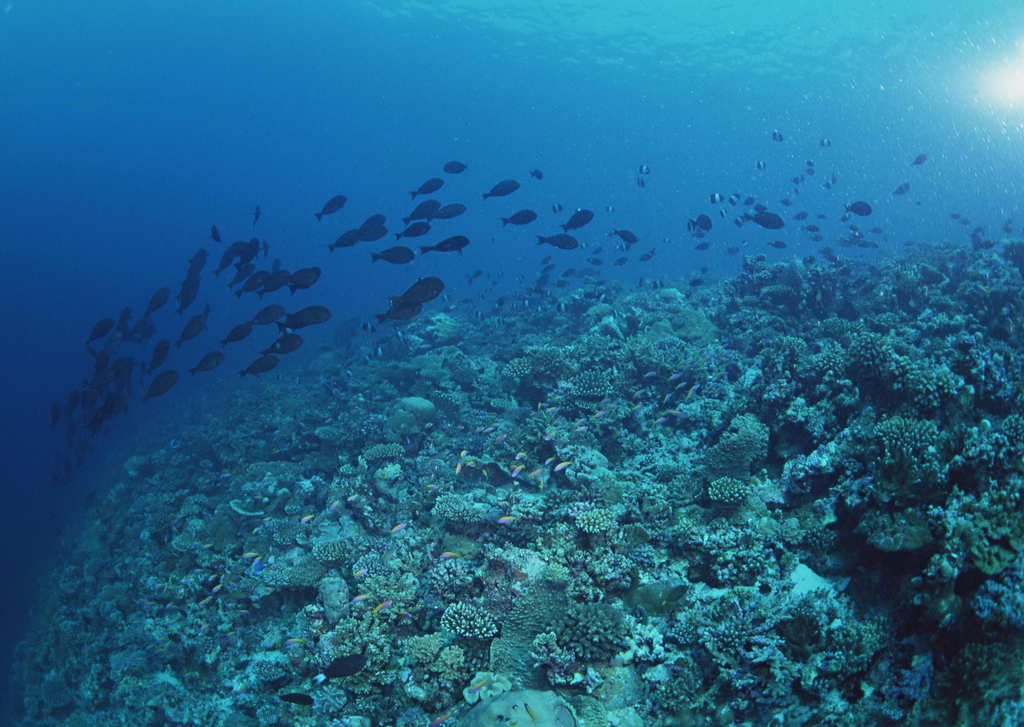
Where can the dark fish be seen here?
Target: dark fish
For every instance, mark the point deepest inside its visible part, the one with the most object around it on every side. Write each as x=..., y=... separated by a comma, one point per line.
x=825, y=142
x=416, y=229
x=563, y=241
x=347, y=239
x=626, y=236
x=194, y=327
x=156, y=301
x=901, y=190
x=536, y=174
x=595, y=261
x=579, y=219
x=919, y=160
x=285, y=344
x=800, y=216
x=208, y=362
x=644, y=169
x=731, y=250
x=640, y=182
x=253, y=283
x=431, y=185
x=396, y=255
x=696, y=282
x=777, y=135
x=238, y=333
x=161, y=384
x=196, y=262
x=768, y=220
x=522, y=217
x=556, y=208
x=401, y=310
x=331, y=206
x=188, y=292
x=101, y=329
x=308, y=316
x=760, y=165
x=242, y=272
x=214, y=233
x=621, y=261
x=275, y=281
x=303, y=278
x=423, y=290
x=376, y=220
x=715, y=198
x=702, y=246
x=260, y=366
x=454, y=167
x=502, y=188
x=862, y=209
x=345, y=666
x=160, y=351
x=270, y=314
x=296, y=697
x=702, y=222
x=812, y=228
x=450, y=244
x=778, y=244
x=425, y=210
x=449, y=211
x=256, y=215
x=647, y=255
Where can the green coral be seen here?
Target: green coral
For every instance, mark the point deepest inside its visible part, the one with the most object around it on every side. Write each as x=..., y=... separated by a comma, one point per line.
x=729, y=491
x=594, y=632
x=743, y=446
x=468, y=621
x=377, y=452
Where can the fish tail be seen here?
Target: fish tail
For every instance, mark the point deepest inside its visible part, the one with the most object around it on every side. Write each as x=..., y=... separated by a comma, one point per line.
x=485, y=195
x=504, y=221
x=565, y=228
x=374, y=257
x=540, y=240
x=398, y=235
x=425, y=249
x=318, y=215
x=238, y=293
x=412, y=194
x=193, y=371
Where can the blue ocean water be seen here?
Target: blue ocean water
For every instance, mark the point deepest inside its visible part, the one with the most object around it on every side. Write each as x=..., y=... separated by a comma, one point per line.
x=128, y=129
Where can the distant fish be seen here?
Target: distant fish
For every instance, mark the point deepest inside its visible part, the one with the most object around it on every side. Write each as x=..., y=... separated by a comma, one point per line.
x=208, y=362
x=287, y=343
x=395, y=255
x=450, y=244
x=778, y=244
x=643, y=169
x=425, y=210
x=256, y=215
x=270, y=314
x=579, y=218
x=648, y=255
x=536, y=174
x=861, y=209
x=101, y=329
x=297, y=698
x=901, y=190
x=454, y=167
x=428, y=187
x=160, y=351
x=157, y=301
x=416, y=229
x=626, y=236
x=260, y=366
x=777, y=135
x=331, y=206
x=308, y=316
x=449, y=211
x=161, y=384
x=238, y=333
x=502, y=188
x=196, y=324
x=423, y=290
x=214, y=233
x=825, y=142
x=303, y=278
x=919, y=160
x=563, y=241
x=768, y=220
x=701, y=222
x=522, y=217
